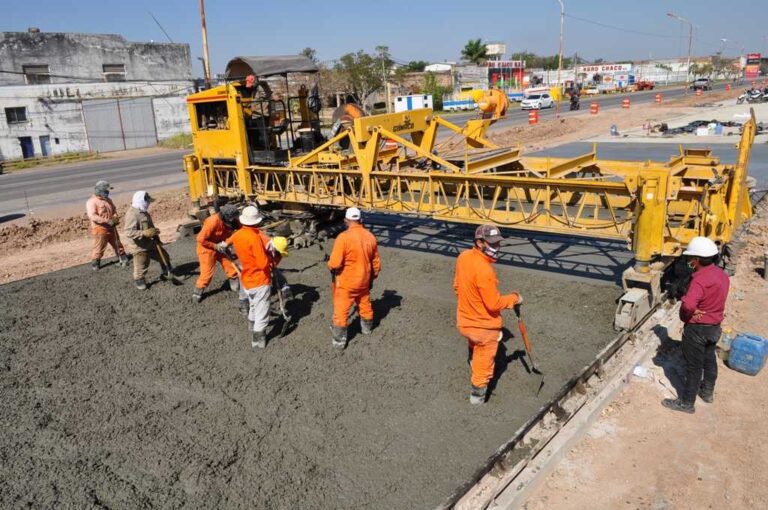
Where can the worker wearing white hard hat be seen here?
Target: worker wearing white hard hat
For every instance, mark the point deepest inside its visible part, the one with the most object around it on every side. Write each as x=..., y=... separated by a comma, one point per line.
x=250, y=246
x=354, y=264
x=701, y=309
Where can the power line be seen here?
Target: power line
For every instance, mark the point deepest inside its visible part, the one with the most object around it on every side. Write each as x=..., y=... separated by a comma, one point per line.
x=161, y=26
x=622, y=29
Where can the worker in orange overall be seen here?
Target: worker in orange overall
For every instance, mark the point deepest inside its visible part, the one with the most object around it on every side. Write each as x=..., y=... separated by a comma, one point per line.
x=478, y=314
x=216, y=228
x=255, y=274
x=104, y=220
x=354, y=264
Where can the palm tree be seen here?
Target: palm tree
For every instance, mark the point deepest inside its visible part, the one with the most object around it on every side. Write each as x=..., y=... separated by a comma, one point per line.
x=474, y=51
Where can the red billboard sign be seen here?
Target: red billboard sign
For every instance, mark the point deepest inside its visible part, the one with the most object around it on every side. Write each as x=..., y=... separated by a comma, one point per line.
x=752, y=69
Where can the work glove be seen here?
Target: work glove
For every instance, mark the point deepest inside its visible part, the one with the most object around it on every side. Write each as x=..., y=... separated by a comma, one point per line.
x=114, y=221
x=221, y=247
x=150, y=233
x=519, y=299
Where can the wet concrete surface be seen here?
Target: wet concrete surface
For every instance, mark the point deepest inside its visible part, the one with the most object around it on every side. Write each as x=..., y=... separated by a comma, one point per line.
x=113, y=397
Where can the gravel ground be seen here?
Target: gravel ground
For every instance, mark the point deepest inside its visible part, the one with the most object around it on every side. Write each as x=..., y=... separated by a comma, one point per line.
x=112, y=397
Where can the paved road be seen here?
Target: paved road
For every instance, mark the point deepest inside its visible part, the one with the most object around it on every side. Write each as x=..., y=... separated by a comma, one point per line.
x=517, y=116
x=38, y=190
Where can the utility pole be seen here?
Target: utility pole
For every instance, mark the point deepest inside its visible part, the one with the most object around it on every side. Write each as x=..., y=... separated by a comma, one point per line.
x=690, y=46
x=560, y=58
x=206, y=58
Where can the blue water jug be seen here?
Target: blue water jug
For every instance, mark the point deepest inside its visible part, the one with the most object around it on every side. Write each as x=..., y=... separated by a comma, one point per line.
x=748, y=353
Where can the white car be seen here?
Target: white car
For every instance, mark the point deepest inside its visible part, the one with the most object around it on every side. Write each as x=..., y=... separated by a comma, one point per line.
x=537, y=102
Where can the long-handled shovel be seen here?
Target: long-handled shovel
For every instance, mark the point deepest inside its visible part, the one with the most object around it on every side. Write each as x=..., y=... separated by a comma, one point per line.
x=527, y=345
x=281, y=302
x=168, y=273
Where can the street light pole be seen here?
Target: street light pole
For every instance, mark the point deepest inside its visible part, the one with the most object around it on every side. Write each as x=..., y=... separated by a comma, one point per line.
x=690, y=46
x=206, y=58
x=560, y=59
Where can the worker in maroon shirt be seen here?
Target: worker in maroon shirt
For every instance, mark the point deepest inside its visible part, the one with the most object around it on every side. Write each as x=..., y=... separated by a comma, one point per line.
x=701, y=309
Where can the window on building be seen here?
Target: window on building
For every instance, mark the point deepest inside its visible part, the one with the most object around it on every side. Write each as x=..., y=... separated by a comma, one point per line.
x=16, y=115
x=113, y=72
x=38, y=73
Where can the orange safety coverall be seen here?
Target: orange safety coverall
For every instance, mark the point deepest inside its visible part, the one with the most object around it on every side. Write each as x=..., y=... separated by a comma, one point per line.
x=254, y=260
x=213, y=232
x=355, y=260
x=100, y=210
x=478, y=313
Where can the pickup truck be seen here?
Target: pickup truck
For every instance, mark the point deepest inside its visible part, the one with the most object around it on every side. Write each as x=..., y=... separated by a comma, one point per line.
x=701, y=84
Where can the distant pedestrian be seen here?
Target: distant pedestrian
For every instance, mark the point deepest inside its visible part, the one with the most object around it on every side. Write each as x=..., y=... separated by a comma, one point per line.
x=146, y=237
x=701, y=309
x=104, y=220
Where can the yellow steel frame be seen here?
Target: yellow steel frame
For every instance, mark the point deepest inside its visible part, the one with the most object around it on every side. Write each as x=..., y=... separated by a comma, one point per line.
x=656, y=207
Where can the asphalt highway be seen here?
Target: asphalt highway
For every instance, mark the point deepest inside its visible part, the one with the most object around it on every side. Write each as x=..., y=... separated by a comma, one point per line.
x=37, y=190
x=518, y=116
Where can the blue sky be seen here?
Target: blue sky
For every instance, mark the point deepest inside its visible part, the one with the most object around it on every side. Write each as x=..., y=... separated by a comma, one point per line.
x=432, y=30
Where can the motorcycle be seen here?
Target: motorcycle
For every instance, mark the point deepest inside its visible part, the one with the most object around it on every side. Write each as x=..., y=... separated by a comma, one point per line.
x=575, y=103
x=755, y=97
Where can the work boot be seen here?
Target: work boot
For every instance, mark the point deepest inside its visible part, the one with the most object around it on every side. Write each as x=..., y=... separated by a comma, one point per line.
x=141, y=284
x=477, y=395
x=123, y=260
x=245, y=307
x=259, y=340
x=95, y=264
x=234, y=284
x=707, y=393
x=197, y=294
x=677, y=404
x=339, y=337
x=366, y=326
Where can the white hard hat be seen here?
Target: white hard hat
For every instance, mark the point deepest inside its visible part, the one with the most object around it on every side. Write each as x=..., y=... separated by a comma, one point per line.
x=353, y=214
x=250, y=216
x=701, y=247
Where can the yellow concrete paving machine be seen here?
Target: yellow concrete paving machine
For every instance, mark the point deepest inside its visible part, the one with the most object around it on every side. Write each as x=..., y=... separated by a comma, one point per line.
x=251, y=146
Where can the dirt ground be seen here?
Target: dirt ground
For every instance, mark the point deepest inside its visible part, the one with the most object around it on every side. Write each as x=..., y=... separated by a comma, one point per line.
x=641, y=455
x=571, y=128
x=47, y=245
x=125, y=399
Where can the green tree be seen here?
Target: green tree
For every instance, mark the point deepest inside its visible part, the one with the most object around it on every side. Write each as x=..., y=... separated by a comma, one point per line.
x=361, y=74
x=310, y=53
x=432, y=86
x=415, y=66
x=474, y=51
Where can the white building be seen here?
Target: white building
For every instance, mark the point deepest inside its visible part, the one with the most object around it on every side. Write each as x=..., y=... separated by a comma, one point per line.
x=80, y=92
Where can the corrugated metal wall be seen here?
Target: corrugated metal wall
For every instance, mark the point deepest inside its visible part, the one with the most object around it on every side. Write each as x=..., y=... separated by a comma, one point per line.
x=115, y=125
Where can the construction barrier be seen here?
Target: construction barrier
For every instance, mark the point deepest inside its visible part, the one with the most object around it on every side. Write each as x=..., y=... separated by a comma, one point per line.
x=699, y=92
x=625, y=103
x=657, y=98
x=727, y=86
x=594, y=108
x=533, y=117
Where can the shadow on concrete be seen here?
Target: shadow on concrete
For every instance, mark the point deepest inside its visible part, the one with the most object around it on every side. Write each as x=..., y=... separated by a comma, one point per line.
x=304, y=298
x=597, y=259
x=11, y=217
